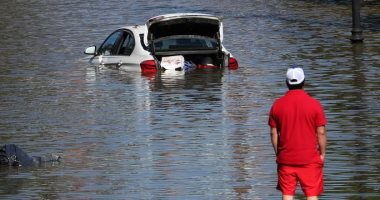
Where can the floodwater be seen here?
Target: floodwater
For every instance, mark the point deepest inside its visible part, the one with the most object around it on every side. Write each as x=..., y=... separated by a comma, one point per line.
x=199, y=136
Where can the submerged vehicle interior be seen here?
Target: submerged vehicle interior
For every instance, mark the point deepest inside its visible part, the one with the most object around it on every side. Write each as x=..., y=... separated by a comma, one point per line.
x=196, y=39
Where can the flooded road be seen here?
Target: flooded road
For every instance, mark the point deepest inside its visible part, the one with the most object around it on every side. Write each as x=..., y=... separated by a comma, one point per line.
x=199, y=136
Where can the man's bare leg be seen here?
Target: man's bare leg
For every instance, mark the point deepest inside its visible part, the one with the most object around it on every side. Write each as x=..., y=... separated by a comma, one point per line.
x=287, y=197
x=312, y=198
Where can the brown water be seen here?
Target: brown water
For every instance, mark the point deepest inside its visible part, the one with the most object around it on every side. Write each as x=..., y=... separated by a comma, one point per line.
x=201, y=136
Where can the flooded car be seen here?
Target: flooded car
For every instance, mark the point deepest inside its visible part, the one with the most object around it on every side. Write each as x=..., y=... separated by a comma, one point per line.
x=178, y=42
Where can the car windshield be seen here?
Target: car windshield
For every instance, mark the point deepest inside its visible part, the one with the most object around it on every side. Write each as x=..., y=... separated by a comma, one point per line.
x=176, y=43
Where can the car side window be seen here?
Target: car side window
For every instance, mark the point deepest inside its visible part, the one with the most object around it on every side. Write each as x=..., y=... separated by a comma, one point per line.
x=128, y=44
x=111, y=45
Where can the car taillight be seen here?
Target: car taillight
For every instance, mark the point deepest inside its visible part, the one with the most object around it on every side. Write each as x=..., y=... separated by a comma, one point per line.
x=232, y=64
x=148, y=66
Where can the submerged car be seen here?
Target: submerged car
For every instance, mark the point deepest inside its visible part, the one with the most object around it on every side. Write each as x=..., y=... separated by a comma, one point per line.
x=180, y=42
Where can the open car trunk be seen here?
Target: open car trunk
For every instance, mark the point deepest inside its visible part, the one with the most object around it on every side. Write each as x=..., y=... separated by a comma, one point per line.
x=184, y=24
x=193, y=61
x=195, y=37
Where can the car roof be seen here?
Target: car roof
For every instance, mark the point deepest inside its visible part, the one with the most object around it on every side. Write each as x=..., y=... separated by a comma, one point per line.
x=138, y=29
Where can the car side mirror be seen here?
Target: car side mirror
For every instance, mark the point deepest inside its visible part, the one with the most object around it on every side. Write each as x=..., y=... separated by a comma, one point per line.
x=90, y=50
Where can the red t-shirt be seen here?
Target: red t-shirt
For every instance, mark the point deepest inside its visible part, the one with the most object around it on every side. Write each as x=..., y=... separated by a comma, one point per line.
x=296, y=116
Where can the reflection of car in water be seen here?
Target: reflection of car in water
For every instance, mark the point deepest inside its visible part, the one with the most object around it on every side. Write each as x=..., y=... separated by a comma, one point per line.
x=178, y=42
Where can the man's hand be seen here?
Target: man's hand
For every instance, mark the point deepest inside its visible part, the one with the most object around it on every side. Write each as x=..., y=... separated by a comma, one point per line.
x=274, y=139
x=322, y=158
x=322, y=141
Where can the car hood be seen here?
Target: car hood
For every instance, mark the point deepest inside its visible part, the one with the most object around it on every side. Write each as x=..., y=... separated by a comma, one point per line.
x=184, y=24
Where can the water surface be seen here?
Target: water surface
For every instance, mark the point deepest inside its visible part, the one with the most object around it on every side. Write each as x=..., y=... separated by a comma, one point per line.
x=199, y=136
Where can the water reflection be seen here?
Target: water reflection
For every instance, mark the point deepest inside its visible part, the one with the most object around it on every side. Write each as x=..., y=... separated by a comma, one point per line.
x=201, y=135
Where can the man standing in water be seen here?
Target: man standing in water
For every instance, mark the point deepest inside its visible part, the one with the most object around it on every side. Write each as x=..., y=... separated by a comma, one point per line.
x=298, y=135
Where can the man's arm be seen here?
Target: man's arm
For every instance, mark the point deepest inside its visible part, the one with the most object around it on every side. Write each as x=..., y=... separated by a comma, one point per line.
x=274, y=138
x=322, y=141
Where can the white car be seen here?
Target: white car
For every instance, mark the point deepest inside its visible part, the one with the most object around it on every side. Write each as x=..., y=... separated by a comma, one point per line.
x=180, y=42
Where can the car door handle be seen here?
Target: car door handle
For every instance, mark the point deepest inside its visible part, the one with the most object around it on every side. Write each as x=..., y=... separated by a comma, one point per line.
x=118, y=65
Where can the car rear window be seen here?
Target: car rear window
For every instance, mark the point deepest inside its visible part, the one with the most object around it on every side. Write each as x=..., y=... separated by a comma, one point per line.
x=185, y=43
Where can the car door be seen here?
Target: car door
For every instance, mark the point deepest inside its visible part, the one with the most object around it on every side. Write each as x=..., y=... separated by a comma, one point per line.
x=117, y=48
x=129, y=60
x=108, y=52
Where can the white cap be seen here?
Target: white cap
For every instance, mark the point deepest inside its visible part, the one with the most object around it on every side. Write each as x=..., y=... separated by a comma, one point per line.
x=295, y=76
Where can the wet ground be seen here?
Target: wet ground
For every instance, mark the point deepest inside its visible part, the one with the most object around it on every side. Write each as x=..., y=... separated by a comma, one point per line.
x=199, y=136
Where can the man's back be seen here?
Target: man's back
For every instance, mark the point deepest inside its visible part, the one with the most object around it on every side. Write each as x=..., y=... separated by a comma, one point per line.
x=296, y=115
x=298, y=136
